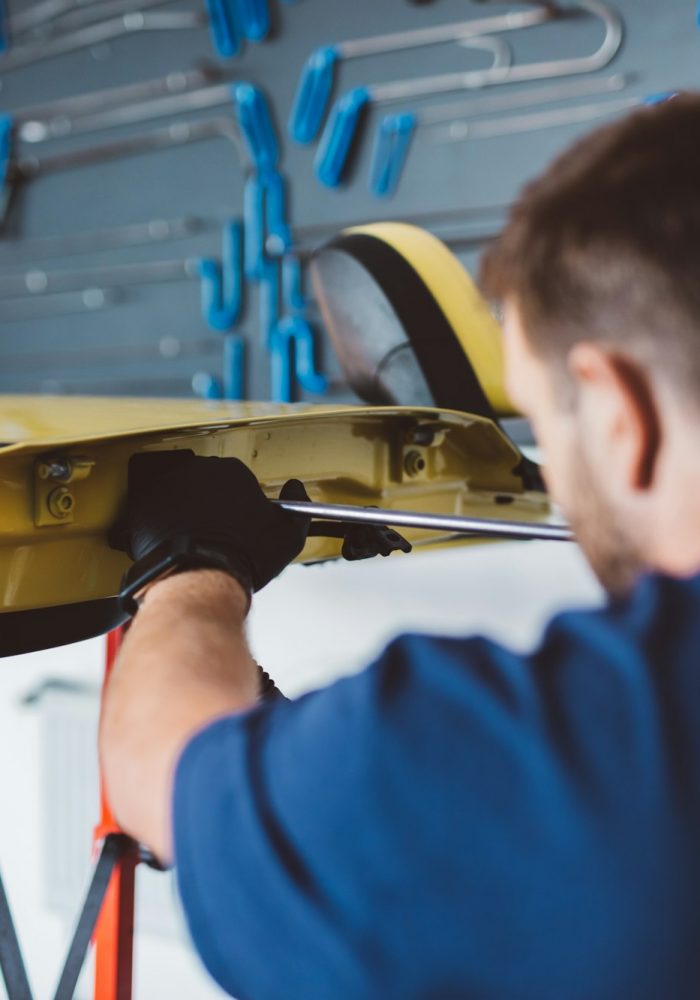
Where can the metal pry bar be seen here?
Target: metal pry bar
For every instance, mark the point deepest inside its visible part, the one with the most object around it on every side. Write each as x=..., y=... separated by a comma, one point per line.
x=448, y=523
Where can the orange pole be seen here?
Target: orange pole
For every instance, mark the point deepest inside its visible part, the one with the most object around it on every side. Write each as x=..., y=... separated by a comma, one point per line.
x=114, y=934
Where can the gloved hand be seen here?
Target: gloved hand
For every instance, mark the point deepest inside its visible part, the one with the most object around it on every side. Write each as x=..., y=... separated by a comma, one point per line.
x=215, y=501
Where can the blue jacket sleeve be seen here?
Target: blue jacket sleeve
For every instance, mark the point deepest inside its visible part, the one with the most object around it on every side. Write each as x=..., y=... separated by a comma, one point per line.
x=455, y=821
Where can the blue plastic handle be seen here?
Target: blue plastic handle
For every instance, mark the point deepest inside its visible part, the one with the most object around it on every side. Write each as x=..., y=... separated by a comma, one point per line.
x=276, y=223
x=664, y=95
x=223, y=27
x=234, y=366
x=222, y=284
x=338, y=136
x=206, y=386
x=6, y=126
x=281, y=373
x=293, y=355
x=269, y=302
x=264, y=214
x=253, y=115
x=313, y=91
x=4, y=34
x=305, y=358
x=254, y=228
x=254, y=19
x=391, y=145
x=293, y=296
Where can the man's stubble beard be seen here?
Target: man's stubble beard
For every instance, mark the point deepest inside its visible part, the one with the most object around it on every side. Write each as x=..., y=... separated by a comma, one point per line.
x=614, y=556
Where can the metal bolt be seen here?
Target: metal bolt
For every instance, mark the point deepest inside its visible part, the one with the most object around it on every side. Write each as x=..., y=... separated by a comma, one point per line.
x=61, y=502
x=413, y=463
x=54, y=470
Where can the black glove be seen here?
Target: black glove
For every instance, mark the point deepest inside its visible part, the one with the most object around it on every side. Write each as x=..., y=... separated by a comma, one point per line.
x=216, y=502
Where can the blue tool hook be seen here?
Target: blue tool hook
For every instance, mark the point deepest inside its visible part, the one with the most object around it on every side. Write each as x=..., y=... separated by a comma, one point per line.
x=270, y=302
x=293, y=355
x=222, y=284
x=265, y=216
x=313, y=94
x=206, y=386
x=255, y=120
x=234, y=366
x=223, y=25
x=391, y=146
x=4, y=28
x=254, y=19
x=293, y=285
x=6, y=134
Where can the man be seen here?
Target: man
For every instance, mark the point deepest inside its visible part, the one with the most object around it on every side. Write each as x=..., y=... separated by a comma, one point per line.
x=459, y=821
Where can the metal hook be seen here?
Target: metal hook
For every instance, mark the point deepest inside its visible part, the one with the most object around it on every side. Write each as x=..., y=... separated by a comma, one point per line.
x=344, y=121
x=222, y=284
x=293, y=296
x=265, y=215
x=234, y=366
x=293, y=334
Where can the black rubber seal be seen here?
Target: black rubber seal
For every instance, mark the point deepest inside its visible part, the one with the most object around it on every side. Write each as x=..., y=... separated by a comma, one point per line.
x=451, y=378
x=449, y=373
x=44, y=628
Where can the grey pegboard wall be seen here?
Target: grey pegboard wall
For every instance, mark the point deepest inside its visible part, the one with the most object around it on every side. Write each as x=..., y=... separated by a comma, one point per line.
x=151, y=338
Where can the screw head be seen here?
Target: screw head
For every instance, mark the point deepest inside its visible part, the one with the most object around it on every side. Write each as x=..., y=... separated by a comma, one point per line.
x=414, y=463
x=61, y=502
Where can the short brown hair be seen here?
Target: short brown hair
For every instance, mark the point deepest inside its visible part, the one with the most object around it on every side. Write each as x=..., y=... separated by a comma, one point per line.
x=605, y=245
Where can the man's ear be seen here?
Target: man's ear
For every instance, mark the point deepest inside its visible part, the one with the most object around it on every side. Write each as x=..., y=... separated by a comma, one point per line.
x=618, y=410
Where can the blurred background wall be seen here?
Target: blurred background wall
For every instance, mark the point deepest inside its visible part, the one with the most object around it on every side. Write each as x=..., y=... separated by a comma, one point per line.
x=107, y=335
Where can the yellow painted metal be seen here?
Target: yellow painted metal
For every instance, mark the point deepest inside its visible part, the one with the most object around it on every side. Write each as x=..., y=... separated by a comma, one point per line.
x=358, y=455
x=459, y=299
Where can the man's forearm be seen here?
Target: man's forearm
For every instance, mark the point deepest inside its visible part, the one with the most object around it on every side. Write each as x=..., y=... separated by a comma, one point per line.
x=184, y=662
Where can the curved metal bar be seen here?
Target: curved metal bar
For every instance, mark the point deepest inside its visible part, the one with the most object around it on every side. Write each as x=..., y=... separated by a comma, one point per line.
x=604, y=54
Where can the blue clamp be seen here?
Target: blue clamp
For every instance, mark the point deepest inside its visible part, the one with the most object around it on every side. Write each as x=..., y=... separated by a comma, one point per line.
x=269, y=301
x=264, y=215
x=660, y=98
x=222, y=284
x=253, y=114
x=391, y=145
x=234, y=366
x=6, y=127
x=254, y=228
x=223, y=27
x=293, y=296
x=4, y=28
x=254, y=19
x=293, y=337
x=339, y=135
x=206, y=386
x=312, y=95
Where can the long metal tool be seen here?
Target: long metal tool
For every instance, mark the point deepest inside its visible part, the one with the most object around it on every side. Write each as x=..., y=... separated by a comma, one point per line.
x=42, y=12
x=98, y=34
x=128, y=114
x=318, y=75
x=81, y=15
x=395, y=132
x=463, y=131
x=344, y=121
x=179, y=134
x=56, y=115
x=39, y=20
x=447, y=523
x=90, y=241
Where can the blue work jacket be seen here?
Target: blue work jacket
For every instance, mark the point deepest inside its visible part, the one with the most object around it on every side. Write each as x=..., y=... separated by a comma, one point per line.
x=458, y=821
